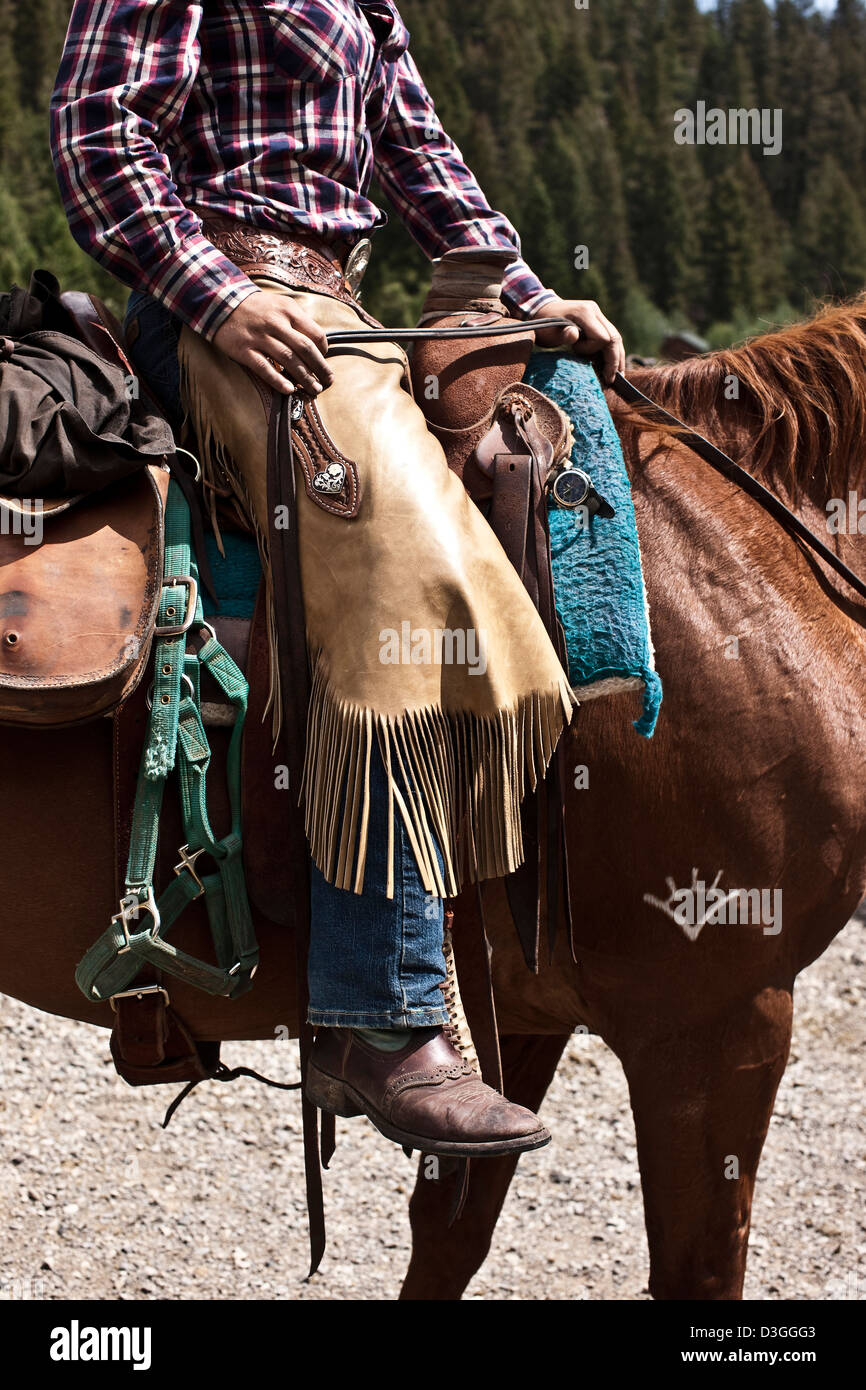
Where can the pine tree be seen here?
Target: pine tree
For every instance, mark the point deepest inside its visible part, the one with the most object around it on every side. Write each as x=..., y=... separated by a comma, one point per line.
x=831, y=250
x=17, y=255
x=10, y=105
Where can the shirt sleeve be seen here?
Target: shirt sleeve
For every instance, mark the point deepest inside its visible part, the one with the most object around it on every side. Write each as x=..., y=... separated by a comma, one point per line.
x=437, y=195
x=124, y=78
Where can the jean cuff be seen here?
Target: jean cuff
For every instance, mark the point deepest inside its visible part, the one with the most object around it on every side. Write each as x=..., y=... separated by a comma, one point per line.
x=405, y=1018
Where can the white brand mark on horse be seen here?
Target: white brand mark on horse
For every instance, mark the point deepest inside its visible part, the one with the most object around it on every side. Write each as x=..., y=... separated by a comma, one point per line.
x=694, y=907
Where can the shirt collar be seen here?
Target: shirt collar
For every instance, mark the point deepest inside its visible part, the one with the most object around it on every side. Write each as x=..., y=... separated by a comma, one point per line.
x=386, y=12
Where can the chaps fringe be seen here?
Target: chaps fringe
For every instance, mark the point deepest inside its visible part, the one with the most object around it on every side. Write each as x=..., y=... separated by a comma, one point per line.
x=464, y=777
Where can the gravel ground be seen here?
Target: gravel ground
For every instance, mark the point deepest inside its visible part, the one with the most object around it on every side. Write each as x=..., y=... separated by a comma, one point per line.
x=100, y=1202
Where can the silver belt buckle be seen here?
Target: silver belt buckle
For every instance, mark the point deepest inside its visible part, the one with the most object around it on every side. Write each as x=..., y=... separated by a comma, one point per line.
x=359, y=259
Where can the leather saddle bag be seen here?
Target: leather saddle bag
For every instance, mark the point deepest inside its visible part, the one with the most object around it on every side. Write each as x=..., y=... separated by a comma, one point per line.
x=80, y=573
x=80, y=584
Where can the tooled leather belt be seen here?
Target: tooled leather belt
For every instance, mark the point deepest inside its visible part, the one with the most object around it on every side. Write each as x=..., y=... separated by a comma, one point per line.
x=296, y=259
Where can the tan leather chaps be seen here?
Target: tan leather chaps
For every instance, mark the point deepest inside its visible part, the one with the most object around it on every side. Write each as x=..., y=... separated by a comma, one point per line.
x=420, y=634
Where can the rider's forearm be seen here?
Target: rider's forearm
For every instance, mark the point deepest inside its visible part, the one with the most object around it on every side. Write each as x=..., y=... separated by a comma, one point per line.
x=437, y=195
x=124, y=77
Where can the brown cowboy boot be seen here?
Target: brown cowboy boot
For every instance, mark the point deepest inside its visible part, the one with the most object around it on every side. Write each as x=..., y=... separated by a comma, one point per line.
x=423, y=1096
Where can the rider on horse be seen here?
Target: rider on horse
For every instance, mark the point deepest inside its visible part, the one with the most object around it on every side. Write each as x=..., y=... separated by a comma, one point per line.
x=216, y=158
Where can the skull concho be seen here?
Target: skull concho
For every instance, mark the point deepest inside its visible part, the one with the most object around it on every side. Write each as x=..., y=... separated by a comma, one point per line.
x=331, y=479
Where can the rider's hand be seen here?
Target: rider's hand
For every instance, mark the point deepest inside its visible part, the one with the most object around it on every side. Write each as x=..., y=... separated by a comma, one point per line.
x=268, y=325
x=591, y=333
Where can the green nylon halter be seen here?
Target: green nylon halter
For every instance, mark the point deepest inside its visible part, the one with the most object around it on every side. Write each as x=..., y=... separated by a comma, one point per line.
x=176, y=737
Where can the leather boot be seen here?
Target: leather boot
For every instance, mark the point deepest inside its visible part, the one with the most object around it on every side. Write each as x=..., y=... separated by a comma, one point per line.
x=423, y=1096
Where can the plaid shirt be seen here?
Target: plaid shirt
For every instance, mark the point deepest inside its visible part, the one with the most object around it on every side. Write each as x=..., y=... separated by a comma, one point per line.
x=274, y=111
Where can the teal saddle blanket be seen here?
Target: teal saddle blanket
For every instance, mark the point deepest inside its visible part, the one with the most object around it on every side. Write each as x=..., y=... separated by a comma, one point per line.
x=597, y=571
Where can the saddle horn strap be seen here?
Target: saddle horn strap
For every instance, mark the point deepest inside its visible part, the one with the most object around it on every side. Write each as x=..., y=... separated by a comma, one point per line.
x=722, y=463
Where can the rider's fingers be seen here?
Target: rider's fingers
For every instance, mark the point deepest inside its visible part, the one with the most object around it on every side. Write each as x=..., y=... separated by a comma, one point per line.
x=263, y=367
x=618, y=356
x=614, y=360
x=306, y=325
x=294, y=365
x=571, y=336
x=601, y=336
x=291, y=343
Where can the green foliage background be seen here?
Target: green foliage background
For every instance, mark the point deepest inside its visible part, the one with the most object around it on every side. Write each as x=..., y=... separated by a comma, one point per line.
x=567, y=117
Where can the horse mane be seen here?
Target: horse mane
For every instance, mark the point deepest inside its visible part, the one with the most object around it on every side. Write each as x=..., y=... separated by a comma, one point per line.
x=801, y=402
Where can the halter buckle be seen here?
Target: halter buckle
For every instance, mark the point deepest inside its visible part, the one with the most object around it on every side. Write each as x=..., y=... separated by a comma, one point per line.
x=130, y=906
x=187, y=861
x=177, y=629
x=136, y=993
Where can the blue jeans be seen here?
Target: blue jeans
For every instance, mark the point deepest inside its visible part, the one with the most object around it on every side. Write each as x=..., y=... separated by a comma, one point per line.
x=374, y=962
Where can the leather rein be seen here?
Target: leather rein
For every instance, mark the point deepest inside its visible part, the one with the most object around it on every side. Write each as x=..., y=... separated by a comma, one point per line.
x=630, y=393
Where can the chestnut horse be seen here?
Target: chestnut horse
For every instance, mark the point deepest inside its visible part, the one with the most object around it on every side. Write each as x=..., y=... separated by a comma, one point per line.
x=757, y=772
x=752, y=782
